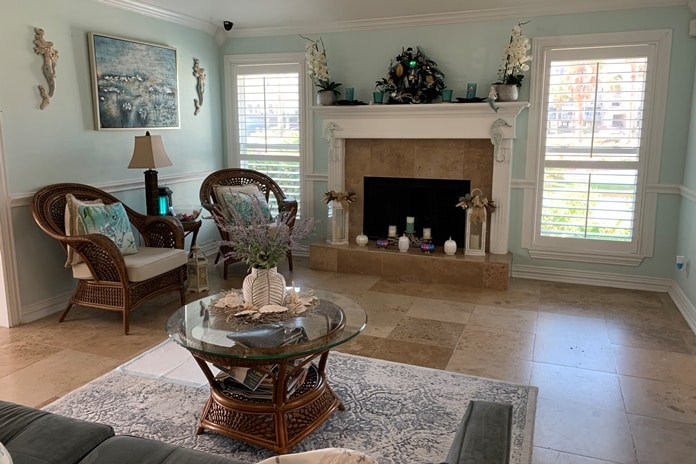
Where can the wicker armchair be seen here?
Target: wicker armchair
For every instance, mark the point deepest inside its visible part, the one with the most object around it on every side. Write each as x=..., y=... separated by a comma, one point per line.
x=103, y=281
x=241, y=177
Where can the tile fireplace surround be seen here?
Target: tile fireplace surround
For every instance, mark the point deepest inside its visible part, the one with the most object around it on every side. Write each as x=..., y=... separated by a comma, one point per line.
x=441, y=141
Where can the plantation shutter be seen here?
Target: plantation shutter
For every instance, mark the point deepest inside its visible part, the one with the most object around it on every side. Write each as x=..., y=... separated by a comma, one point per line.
x=268, y=119
x=593, y=142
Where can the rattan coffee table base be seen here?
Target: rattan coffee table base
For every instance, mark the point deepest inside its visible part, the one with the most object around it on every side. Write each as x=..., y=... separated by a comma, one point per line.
x=278, y=424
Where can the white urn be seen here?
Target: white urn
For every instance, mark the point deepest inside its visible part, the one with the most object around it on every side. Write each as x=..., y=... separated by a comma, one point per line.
x=404, y=243
x=450, y=247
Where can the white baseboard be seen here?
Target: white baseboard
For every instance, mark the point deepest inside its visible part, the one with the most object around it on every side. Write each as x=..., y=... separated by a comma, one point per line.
x=600, y=279
x=40, y=309
x=685, y=306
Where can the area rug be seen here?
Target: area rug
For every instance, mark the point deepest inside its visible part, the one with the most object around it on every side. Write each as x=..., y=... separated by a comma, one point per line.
x=394, y=412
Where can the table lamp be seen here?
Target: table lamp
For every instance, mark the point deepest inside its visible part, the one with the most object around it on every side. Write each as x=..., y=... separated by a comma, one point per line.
x=149, y=153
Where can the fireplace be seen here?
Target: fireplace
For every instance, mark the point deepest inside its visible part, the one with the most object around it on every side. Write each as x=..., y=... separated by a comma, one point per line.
x=438, y=141
x=431, y=202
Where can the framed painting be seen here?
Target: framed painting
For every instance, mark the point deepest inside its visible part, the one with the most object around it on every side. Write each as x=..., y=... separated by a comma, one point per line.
x=134, y=84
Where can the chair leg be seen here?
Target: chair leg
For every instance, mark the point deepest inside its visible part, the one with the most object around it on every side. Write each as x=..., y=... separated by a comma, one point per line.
x=65, y=312
x=290, y=260
x=125, y=322
x=224, y=267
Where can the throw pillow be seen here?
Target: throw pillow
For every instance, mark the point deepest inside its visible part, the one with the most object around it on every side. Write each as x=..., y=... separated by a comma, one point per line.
x=112, y=221
x=322, y=456
x=5, y=457
x=74, y=224
x=241, y=200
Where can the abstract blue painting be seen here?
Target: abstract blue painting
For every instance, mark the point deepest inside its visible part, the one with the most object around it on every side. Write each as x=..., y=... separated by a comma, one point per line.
x=134, y=84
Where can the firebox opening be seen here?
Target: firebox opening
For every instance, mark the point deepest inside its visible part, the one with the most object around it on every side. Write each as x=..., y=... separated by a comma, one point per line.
x=390, y=200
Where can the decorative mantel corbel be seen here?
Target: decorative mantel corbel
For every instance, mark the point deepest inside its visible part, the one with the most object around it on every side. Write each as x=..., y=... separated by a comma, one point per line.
x=500, y=151
x=50, y=59
x=330, y=137
x=199, y=74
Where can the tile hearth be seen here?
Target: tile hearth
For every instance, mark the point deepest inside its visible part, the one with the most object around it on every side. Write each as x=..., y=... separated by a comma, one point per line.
x=490, y=271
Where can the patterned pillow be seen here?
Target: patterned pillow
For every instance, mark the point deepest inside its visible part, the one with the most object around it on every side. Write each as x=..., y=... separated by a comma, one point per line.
x=241, y=200
x=74, y=224
x=112, y=221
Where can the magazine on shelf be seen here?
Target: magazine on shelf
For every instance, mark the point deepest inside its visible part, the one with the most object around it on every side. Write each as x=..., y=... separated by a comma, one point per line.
x=273, y=336
x=249, y=377
x=263, y=389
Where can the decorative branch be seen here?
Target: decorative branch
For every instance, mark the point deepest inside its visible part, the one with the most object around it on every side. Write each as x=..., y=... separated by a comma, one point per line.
x=345, y=198
x=199, y=74
x=50, y=59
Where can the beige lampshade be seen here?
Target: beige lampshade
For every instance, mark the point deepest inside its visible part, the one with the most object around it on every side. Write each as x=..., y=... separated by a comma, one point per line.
x=149, y=152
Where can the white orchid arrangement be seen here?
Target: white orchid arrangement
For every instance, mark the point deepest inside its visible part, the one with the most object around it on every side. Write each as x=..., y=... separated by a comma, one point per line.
x=315, y=54
x=515, y=57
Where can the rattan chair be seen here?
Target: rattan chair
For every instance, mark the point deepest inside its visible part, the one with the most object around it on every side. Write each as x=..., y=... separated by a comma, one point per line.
x=240, y=177
x=109, y=287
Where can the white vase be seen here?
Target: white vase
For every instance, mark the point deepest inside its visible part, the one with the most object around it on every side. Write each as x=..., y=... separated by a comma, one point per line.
x=263, y=287
x=506, y=92
x=404, y=243
x=326, y=97
x=450, y=247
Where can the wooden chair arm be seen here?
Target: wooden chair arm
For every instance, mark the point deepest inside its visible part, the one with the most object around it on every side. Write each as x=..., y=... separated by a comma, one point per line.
x=162, y=232
x=288, y=209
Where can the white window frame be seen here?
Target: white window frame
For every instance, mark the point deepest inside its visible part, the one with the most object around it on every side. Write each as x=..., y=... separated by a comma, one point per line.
x=598, y=251
x=233, y=149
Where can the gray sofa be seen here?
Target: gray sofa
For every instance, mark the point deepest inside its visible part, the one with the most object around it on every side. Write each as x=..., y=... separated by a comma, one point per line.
x=33, y=436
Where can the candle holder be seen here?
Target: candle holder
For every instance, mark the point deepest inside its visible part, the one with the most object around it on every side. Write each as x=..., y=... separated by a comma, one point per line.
x=475, y=236
x=427, y=246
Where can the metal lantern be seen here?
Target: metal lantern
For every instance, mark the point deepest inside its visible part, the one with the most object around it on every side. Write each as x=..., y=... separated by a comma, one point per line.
x=475, y=235
x=337, y=233
x=197, y=271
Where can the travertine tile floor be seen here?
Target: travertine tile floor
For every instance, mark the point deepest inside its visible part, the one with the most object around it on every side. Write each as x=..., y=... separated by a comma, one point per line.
x=616, y=369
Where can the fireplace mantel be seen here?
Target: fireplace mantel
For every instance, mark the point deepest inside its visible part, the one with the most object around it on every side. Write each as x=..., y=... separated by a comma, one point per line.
x=433, y=121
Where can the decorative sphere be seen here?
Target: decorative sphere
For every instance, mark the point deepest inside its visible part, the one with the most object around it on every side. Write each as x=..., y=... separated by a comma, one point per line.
x=427, y=247
x=361, y=240
x=382, y=243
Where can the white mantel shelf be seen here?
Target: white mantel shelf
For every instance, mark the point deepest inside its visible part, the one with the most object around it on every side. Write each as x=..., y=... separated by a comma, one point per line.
x=436, y=120
x=430, y=121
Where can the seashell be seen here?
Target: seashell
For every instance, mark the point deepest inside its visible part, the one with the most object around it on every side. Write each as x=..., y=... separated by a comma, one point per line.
x=271, y=308
x=245, y=312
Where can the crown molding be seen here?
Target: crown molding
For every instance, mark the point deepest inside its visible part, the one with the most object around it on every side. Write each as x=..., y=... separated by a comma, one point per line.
x=161, y=13
x=522, y=11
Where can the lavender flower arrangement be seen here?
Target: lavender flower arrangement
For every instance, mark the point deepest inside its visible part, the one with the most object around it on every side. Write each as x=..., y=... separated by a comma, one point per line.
x=257, y=242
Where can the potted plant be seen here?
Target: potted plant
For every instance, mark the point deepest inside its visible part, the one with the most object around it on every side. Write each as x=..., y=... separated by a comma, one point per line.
x=262, y=243
x=515, y=58
x=315, y=54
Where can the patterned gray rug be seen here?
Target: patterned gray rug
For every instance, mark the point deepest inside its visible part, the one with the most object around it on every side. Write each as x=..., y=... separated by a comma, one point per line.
x=394, y=412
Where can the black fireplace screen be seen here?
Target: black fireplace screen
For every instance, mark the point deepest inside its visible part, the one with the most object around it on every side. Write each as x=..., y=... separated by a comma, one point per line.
x=431, y=202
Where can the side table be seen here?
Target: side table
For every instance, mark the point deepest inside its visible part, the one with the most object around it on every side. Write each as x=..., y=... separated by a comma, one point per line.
x=191, y=228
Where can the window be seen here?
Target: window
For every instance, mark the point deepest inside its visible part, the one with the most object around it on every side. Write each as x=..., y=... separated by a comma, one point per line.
x=599, y=107
x=266, y=119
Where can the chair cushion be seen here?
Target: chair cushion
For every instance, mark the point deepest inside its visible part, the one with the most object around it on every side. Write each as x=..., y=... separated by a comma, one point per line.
x=322, y=456
x=74, y=224
x=241, y=199
x=112, y=221
x=148, y=262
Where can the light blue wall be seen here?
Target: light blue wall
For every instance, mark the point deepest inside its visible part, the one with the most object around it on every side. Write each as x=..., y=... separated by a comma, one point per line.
x=59, y=143
x=471, y=52
x=686, y=240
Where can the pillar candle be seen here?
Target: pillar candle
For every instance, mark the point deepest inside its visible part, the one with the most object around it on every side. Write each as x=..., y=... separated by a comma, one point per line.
x=426, y=233
x=392, y=231
x=410, y=222
x=475, y=242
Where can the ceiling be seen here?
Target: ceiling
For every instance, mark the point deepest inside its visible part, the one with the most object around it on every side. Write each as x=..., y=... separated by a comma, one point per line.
x=279, y=17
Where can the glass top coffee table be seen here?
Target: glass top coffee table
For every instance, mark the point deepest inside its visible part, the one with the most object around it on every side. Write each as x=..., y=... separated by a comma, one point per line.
x=271, y=389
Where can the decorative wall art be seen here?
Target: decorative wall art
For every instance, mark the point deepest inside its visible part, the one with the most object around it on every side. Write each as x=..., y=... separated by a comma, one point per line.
x=134, y=84
x=199, y=74
x=50, y=59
